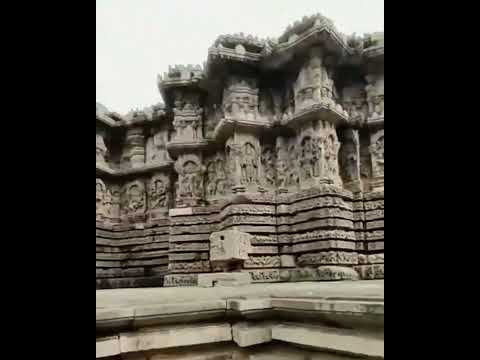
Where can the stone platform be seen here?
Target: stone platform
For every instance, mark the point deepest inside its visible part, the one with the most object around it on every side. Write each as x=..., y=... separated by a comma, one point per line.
x=310, y=320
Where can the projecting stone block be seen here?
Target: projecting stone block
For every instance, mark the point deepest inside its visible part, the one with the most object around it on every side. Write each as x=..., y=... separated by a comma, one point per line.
x=287, y=260
x=229, y=247
x=248, y=334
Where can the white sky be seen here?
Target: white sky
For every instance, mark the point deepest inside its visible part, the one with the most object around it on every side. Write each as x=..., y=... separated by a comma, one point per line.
x=138, y=39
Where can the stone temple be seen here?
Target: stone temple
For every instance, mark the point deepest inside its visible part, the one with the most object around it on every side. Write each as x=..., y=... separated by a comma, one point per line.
x=249, y=204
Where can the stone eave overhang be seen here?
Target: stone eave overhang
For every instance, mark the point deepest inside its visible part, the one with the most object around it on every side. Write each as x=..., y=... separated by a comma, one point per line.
x=375, y=122
x=221, y=55
x=324, y=36
x=176, y=148
x=227, y=126
x=315, y=112
x=374, y=54
x=103, y=169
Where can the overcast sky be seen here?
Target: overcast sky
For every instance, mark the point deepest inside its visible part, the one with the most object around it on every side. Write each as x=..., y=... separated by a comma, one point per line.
x=138, y=39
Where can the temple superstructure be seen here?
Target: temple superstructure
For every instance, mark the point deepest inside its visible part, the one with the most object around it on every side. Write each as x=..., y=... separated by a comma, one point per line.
x=278, y=140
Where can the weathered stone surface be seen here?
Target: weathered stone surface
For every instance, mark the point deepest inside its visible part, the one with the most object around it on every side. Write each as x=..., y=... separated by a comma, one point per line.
x=167, y=337
x=327, y=338
x=108, y=346
x=290, y=152
x=248, y=334
x=224, y=279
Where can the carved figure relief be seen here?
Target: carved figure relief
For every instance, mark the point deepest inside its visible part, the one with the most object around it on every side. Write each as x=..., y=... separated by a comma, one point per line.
x=349, y=166
x=190, y=183
x=101, y=149
x=377, y=153
x=215, y=178
x=240, y=99
x=187, y=117
x=134, y=198
x=101, y=195
x=249, y=165
x=375, y=96
x=158, y=192
x=268, y=165
x=114, y=195
x=156, y=150
x=331, y=148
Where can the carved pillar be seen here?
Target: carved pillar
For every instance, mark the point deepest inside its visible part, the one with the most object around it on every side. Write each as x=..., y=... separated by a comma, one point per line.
x=101, y=148
x=377, y=159
x=349, y=160
x=135, y=146
x=243, y=150
x=375, y=121
x=187, y=146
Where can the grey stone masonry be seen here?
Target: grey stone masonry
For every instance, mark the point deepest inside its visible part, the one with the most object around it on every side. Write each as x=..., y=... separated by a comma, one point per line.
x=278, y=139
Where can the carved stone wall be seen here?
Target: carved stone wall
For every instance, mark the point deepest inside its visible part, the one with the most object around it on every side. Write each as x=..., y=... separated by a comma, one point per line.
x=282, y=139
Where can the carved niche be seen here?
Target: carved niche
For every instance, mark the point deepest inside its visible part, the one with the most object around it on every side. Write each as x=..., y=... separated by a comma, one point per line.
x=187, y=117
x=281, y=149
x=349, y=156
x=114, y=201
x=249, y=164
x=101, y=199
x=331, y=147
x=377, y=153
x=190, y=188
x=216, y=176
x=375, y=96
x=158, y=192
x=134, y=198
x=355, y=103
x=268, y=162
x=156, y=150
x=240, y=99
x=101, y=149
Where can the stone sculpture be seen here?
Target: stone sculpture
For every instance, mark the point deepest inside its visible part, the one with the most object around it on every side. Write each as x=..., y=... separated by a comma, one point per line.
x=277, y=145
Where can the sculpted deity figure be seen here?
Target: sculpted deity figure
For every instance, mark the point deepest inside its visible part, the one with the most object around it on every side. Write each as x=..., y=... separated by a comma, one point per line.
x=249, y=165
x=158, y=196
x=135, y=197
x=101, y=149
x=101, y=194
x=268, y=163
x=377, y=151
x=349, y=161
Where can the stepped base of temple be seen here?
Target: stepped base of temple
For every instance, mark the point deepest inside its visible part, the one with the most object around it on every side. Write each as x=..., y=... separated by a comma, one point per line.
x=305, y=320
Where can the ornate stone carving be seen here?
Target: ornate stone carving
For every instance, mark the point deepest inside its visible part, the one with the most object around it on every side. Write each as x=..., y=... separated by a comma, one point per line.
x=101, y=199
x=216, y=177
x=101, y=149
x=249, y=164
x=187, y=117
x=190, y=190
x=156, y=150
x=377, y=154
x=268, y=165
x=349, y=157
x=135, y=147
x=375, y=96
x=134, y=198
x=158, y=192
x=240, y=99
